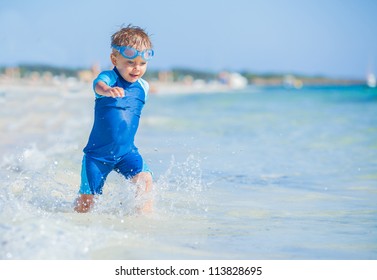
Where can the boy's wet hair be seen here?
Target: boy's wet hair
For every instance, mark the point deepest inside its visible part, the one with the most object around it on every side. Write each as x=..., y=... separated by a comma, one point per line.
x=133, y=36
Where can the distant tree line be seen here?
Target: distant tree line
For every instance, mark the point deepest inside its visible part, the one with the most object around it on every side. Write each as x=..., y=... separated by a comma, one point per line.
x=175, y=74
x=26, y=69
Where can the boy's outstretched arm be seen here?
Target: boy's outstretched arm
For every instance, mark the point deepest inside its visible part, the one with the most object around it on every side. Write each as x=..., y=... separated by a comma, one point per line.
x=102, y=89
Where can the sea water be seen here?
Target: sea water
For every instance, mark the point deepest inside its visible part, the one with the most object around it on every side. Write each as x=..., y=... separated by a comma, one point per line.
x=266, y=173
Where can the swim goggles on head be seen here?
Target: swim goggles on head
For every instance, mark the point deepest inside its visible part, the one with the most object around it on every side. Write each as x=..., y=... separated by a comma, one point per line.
x=131, y=53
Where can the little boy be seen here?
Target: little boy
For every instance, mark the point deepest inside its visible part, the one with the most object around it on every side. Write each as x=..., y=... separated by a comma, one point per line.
x=120, y=96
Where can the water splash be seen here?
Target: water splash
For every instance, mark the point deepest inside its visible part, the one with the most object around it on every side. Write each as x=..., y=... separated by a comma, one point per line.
x=36, y=204
x=181, y=188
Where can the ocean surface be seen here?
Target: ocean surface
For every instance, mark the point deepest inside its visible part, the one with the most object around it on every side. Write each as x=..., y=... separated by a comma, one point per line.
x=260, y=174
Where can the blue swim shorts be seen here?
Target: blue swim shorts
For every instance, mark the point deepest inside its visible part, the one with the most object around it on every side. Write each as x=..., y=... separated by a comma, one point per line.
x=94, y=172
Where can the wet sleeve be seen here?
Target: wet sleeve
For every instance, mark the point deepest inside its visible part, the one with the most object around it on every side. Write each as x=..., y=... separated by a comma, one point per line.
x=108, y=77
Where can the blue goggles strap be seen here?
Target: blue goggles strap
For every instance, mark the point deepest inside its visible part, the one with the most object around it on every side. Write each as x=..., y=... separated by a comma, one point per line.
x=131, y=53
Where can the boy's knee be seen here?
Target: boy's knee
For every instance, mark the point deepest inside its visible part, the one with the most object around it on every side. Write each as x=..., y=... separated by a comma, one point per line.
x=148, y=177
x=144, y=178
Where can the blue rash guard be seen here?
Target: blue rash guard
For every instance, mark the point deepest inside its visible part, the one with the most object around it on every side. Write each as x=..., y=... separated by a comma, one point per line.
x=111, y=141
x=116, y=119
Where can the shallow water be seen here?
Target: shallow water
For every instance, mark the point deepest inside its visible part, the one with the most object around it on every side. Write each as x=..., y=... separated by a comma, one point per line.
x=260, y=174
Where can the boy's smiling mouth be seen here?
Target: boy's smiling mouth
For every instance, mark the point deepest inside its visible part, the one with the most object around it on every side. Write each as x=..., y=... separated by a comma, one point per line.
x=134, y=76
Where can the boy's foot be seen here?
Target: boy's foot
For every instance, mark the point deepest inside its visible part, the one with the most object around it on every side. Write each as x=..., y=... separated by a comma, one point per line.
x=84, y=203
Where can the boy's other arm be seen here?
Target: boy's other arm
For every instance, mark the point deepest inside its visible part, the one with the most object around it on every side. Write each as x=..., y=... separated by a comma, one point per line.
x=102, y=89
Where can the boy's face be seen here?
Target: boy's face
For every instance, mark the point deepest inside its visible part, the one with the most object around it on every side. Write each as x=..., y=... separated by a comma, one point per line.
x=130, y=69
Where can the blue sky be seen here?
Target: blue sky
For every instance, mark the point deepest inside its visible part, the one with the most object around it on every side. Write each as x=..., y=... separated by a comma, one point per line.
x=319, y=37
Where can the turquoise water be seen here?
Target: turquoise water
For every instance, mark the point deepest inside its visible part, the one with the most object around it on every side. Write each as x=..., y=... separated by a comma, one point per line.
x=259, y=174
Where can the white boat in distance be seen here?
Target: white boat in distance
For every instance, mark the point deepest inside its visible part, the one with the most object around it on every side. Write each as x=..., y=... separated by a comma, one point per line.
x=371, y=80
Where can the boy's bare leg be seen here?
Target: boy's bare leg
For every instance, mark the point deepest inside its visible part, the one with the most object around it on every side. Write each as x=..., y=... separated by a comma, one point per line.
x=84, y=203
x=144, y=181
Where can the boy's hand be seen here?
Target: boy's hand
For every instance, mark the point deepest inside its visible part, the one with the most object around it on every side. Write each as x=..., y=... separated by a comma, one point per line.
x=115, y=92
x=103, y=89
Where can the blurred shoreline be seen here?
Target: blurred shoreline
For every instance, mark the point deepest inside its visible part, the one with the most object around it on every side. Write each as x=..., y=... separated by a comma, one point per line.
x=45, y=78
